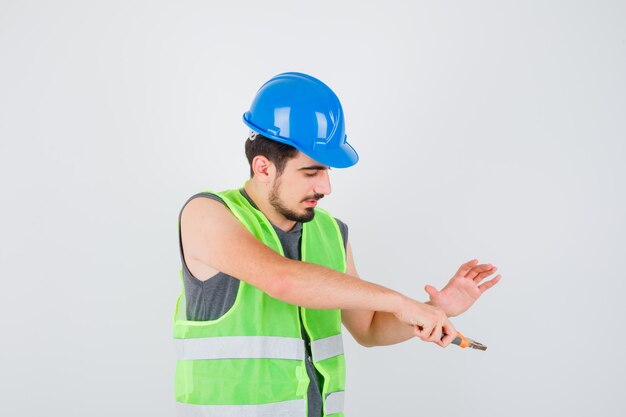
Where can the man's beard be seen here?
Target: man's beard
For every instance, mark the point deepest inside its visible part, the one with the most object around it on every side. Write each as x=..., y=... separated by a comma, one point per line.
x=278, y=205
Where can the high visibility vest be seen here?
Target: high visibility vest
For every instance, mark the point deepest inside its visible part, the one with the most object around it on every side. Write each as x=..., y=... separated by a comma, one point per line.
x=251, y=360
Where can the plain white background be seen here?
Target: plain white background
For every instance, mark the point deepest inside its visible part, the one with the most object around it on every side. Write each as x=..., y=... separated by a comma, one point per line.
x=488, y=129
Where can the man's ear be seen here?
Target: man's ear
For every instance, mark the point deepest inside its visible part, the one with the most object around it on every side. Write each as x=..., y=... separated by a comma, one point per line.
x=263, y=168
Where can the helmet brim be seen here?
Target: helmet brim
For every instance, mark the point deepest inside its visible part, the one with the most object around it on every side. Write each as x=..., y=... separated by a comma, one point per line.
x=342, y=157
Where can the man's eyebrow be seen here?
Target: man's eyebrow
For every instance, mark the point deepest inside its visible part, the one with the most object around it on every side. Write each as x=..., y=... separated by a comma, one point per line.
x=315, y=167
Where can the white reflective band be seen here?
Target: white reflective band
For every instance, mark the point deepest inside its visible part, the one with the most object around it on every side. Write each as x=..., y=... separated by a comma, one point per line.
x=327, y=347
x=334, y=402
x=292, y=408
x=236, y=347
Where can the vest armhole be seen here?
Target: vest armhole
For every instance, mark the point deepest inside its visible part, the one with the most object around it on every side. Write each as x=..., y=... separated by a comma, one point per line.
x=185, y=269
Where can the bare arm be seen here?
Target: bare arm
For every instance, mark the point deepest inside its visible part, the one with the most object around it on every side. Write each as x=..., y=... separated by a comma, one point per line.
x=356, y=321
x=212, y=236
x=386, y=329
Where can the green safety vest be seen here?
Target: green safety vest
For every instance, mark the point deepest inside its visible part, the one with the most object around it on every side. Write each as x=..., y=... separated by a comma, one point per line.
x=251, y=361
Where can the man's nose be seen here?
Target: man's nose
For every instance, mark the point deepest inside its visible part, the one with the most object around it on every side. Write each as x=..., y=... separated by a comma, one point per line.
x=323, y=186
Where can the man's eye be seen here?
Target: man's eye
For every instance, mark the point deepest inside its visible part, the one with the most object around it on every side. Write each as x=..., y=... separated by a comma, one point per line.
x=311, y=175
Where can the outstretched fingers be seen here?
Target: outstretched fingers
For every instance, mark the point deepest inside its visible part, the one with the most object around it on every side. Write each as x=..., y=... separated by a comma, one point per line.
x=466, y=267
x=488, y=284
x=478, y=274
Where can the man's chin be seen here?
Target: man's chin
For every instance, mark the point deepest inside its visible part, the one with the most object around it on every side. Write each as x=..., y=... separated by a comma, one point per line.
x=302, y=217
x=310, y=214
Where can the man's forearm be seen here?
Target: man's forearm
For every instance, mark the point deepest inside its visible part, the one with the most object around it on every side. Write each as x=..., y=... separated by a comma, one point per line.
x=314, y=286
x=387, y=329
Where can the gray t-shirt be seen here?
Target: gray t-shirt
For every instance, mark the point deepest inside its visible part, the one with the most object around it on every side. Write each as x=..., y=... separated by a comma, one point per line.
x=210, y=299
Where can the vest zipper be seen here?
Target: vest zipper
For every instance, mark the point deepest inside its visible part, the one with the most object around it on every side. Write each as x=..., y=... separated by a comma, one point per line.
x=305, y=335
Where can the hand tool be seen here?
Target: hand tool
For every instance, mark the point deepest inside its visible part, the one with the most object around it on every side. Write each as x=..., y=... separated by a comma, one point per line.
x=464, y=342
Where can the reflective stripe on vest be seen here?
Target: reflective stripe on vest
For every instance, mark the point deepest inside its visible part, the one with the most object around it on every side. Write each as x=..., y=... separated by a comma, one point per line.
x=270, y=347
x=334, y=402
x=232, y=347
x=327, y=347
x=282, y=408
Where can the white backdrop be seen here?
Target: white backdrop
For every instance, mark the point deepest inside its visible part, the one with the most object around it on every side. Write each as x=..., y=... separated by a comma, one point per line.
x=488, y=129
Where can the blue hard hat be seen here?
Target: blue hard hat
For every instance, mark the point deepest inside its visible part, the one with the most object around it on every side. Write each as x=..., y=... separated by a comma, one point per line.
x=301, y=111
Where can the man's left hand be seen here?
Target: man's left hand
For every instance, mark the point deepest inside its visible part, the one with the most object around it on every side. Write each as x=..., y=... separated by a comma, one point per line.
x=463, y=289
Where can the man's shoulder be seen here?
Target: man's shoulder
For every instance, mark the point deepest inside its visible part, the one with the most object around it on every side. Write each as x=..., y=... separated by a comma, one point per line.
x=201, y=197
x=198, y=204
x=207, y=194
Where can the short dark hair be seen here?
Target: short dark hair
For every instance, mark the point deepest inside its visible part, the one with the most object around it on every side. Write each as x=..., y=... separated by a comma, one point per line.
x=278, y=153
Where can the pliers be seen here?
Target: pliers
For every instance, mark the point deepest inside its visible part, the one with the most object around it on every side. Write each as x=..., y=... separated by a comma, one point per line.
x=464, y=342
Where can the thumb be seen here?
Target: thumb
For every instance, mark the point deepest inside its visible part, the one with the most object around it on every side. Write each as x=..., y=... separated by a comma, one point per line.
x=432, y=291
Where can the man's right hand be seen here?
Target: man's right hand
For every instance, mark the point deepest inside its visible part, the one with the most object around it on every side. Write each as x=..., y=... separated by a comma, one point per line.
x=430, y=322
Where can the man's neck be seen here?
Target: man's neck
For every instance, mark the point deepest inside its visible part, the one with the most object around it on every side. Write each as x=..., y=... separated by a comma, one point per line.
x=259, y=194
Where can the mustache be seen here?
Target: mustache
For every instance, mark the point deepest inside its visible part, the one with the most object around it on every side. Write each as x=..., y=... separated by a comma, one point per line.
x=316, y=197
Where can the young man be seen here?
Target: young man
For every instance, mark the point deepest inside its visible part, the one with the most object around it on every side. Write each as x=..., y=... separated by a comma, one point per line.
x=269, y=278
